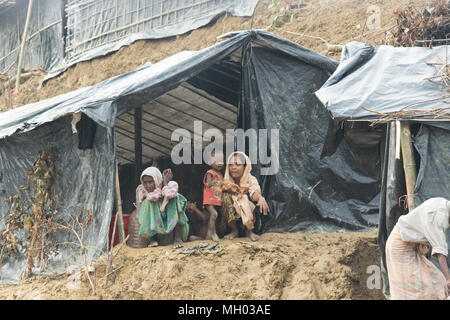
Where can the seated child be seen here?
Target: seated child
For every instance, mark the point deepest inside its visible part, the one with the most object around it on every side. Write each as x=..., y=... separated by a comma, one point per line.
x=212, y=200
x=199, y=221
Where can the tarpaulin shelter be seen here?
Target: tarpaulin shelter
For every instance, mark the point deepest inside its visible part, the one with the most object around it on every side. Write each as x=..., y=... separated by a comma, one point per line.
x=62, y=33
x=252, y=79
x=45, y=37
x=384, y=83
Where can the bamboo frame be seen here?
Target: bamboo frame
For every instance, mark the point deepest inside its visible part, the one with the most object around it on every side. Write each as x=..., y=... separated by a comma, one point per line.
x=31, y=37
x=155, y=124
x=132, y=152
x=216, y=84
x=209, y=98
x=397, y=139
x=124, y=158
x=144, y=143
x=187, y=114
x=138, y=143
x=24, y=41
x=200, y=108
x=74, y=10
x=145, y=129
x=119, y=216
x=409, y=163
x=144, y=138
x=169, y=122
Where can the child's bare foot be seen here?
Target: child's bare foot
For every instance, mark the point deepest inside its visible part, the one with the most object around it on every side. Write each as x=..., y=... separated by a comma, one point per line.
x=191, y=206
x=177, y=243
x=211, y=233
x=252, y=236
x=195, y=238
x=231, y=235
x=153, y=243
x=213, y=237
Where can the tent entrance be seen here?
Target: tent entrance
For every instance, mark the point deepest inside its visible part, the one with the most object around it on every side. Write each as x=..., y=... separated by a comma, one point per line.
x=144, y=134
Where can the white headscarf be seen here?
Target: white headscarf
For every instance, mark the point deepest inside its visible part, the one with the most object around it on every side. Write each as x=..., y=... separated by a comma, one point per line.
x=241, y=203
x=155, y=174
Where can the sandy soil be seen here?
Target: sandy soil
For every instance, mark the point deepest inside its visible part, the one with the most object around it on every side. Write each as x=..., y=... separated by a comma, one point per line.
x=279, y=266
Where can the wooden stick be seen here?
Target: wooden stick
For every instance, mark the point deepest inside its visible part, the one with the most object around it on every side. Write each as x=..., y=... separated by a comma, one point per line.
x=119, y=208
x=397, y=139
x=331, y=47
x=409, y=163
x=432, y=40
x=111, y=245
x=22, y=48
x=109, y=273
x=31, y=37
x=9, y=68
x=24, y=76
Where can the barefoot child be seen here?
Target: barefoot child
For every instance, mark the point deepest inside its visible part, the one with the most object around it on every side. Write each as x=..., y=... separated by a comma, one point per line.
x=212, y=199
x=199, y=219
x=212, y=194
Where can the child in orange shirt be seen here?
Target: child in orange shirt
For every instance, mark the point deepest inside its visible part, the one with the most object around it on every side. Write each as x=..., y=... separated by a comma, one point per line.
x=212, y=198
x=212, y=193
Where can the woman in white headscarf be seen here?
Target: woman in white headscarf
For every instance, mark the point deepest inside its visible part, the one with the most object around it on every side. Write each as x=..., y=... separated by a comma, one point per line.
x=161, y=209
x=241, y=196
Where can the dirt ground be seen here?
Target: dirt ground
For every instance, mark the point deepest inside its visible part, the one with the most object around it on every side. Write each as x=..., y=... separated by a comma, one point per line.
x=311, y=25
x=279, y=266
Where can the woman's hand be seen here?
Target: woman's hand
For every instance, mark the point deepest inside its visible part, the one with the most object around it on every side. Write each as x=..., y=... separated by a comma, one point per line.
x=230, y=187
x=167, y=176
x=263, y=206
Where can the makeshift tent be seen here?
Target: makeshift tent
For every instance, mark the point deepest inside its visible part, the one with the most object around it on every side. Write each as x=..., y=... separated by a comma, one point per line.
x=387, y=83
x=253, y=79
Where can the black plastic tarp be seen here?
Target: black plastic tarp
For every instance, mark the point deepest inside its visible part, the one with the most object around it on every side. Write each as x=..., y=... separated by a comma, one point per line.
x=433, y=180
x=308, y=194
x=384, y=79
x=45, y=31
x=279, y=78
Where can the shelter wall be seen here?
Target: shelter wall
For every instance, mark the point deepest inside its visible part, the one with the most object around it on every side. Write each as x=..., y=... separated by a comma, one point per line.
x=84, y=180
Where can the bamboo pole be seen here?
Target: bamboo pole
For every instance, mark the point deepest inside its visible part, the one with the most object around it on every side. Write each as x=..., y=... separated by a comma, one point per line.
x=119, y=209
x=409, y=163
x=138, y=143
x=397, y=139
x=22, y=48
x=31, y=37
